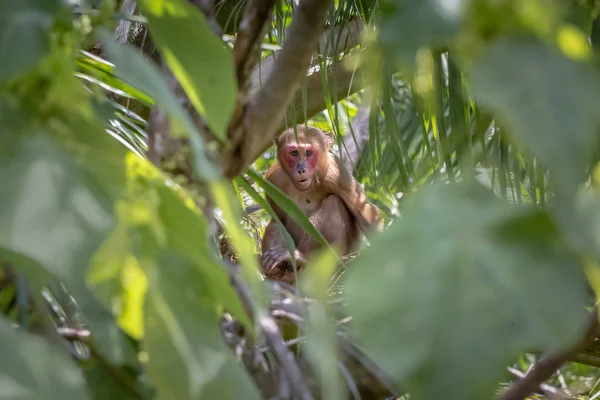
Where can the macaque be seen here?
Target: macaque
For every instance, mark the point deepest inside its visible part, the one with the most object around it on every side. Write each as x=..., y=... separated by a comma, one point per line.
x=327, y=193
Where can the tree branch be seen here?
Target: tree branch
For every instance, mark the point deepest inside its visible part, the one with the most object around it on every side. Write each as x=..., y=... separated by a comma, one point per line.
x=251, y=133
x=246, y=51
x=549, y=364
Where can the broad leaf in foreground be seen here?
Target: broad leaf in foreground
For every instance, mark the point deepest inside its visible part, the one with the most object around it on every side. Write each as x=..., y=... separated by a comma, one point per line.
x=31, y=369
x=549, y=102
x=460, y=286
x=200, y=60
x=62, y=187
x=24, y=34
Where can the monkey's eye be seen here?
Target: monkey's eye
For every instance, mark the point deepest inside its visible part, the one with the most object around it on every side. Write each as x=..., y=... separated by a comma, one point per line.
x=308, y=153
x=295, y=153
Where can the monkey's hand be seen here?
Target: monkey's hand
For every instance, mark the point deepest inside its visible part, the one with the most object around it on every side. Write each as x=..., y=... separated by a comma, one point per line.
x=278, y=260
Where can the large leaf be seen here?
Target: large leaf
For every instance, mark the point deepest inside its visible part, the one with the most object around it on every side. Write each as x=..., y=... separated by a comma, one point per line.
x=31, y=369
x=550, y=103
x=463, y=284
x=24, y=34
x=58, y=208
x=408, y=25
x=201, y=62
x=154, y=217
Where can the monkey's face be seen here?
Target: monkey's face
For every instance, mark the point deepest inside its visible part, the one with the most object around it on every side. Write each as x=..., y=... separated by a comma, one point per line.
x=300, y=161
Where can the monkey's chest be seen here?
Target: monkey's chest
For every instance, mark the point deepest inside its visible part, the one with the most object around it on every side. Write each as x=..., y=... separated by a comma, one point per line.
x=308, y=203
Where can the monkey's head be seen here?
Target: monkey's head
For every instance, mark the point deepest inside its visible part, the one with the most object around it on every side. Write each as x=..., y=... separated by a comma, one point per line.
x=304, y=160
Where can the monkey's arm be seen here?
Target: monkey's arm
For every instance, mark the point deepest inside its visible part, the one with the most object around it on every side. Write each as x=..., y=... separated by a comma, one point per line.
x=273, y=247
x=352, y=194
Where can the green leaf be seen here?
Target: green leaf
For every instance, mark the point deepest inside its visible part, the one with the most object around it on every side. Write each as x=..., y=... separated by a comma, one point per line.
x=407, y=26
x=200, y=61
x=154, y=216
x=135, y=70
x=143, y=75
x=288, y=206
x=550, y=103
x=460, y=292
x=187, y=356
x=59, y=206
x=32, y=369
x=24, y=34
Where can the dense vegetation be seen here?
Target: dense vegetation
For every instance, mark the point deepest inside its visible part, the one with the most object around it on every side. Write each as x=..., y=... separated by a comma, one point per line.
x=135, y=133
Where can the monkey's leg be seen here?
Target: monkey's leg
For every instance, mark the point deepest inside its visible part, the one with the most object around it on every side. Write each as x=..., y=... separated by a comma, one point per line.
x=336, y=224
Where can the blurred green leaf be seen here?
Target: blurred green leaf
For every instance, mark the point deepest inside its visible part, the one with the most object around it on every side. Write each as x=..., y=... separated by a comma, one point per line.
x=154, y=217
x=549, y=102
x=24, y=34
x=460, y=292
x=143, y=75
x=59, y=206
x=32, y=369
x=188, y=359
x=406, y=26
x=202, y=63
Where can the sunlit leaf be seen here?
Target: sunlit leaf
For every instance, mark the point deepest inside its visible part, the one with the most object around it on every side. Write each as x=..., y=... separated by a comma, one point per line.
x=154, y=217
x=200, y=60
x=32, y=369
x=464, y=283
x=24, y=34
x=550, y=103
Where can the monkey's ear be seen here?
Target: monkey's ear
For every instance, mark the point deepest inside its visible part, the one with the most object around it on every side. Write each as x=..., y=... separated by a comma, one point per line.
x=329, y=138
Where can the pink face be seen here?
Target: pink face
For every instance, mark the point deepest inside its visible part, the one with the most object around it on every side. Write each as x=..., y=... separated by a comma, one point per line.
x=300, y=161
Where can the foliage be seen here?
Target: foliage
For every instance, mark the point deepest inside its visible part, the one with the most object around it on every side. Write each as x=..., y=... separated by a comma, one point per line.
x=482, y=155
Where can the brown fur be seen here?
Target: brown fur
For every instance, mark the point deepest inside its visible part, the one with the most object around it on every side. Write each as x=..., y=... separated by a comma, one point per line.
x=334, y=202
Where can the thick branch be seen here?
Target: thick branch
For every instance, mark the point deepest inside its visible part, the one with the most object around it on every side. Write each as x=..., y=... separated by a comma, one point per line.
x=128, y=7
x=246, y=51
x=266, y=109
x=346, y=37
x=548, y=365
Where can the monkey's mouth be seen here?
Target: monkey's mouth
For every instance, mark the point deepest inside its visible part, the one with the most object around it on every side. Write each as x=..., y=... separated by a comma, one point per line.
x=303, y=183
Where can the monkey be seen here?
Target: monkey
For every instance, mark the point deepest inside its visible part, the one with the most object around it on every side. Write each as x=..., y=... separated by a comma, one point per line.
x=319, y=183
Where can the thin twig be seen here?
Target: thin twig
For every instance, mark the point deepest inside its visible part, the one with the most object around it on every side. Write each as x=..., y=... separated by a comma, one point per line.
x=275, y=339
x=83, y=335
x=547, y=366
x=246, y=51
x=545, y=387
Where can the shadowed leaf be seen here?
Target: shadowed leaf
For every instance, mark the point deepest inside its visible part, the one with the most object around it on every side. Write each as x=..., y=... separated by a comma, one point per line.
x=459, y=293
